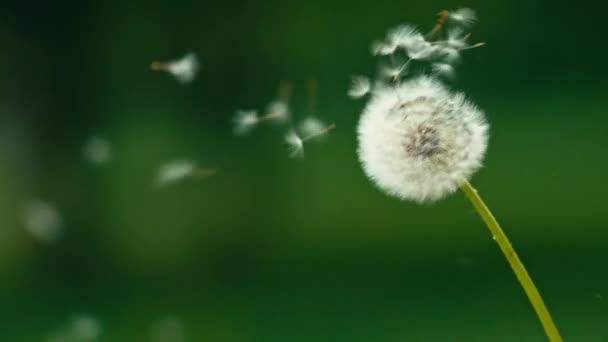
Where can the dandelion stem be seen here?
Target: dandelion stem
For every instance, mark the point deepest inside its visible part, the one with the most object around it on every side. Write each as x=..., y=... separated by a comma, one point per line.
x=518, y=267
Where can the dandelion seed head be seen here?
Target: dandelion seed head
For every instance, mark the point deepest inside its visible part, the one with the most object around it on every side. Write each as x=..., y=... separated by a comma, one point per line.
x=97, y=150
x=418, y=141
x=244, y=121
x=174, y=171
x=360, y=86
x=463, y=16
x=295, y=145
x=42, y=221
x=168, y=329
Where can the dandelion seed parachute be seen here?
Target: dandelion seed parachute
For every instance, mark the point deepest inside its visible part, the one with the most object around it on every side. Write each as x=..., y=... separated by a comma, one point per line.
x=245, y=121
x=295, y=145
x=360, y=86
x=184, y=69
x=418, y=141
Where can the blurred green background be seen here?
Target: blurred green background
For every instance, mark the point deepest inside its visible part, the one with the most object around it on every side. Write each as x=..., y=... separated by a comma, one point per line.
x=272, y=249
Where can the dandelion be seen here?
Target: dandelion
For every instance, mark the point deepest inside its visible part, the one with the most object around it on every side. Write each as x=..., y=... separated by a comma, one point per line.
x=184, y=69
x=404, y=36
x=313, y=129
x=97, y=150
x=463, y=16
x=360, y=87
x=420, y=141
x=180, y=169
x=42, y=221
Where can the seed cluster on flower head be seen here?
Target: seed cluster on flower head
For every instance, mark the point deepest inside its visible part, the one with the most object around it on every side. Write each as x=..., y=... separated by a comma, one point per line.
x=417, y=139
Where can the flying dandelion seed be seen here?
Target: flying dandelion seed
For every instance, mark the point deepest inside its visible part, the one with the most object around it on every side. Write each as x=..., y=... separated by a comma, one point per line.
x=177, y=170
x=360, y=87
x=97, y=150
x=436, y=47
x=313, y=130
x=277, y=111
x=42, y=221
x=168, y=329
x=246, y=121
x=295, y=145
x=184, y=69
x=464, y=16
x=311, y=126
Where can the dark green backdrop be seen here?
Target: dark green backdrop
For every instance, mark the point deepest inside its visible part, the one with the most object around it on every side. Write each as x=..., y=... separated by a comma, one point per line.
x=273, y=249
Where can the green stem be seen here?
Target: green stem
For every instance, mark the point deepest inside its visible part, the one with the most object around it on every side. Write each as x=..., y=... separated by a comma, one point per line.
x=518, y=267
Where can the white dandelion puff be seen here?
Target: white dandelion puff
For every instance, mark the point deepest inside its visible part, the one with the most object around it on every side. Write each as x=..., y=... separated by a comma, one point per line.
x=463, y=16
x=295, y=145
x=97, y=150
x=380, y=48
x=449, y=55
x=42, y=221
x=80, y=329
x=456, y=38
x=175, y=171
x=395, y=72
x=443, y=69
x=245, y=121
x=421, y=49
x=404, y=36
x=360, y=86
x=184, y=69
x=420, y=142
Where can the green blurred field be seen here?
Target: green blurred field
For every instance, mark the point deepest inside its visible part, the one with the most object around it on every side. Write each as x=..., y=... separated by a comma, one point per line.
x=273, y=249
